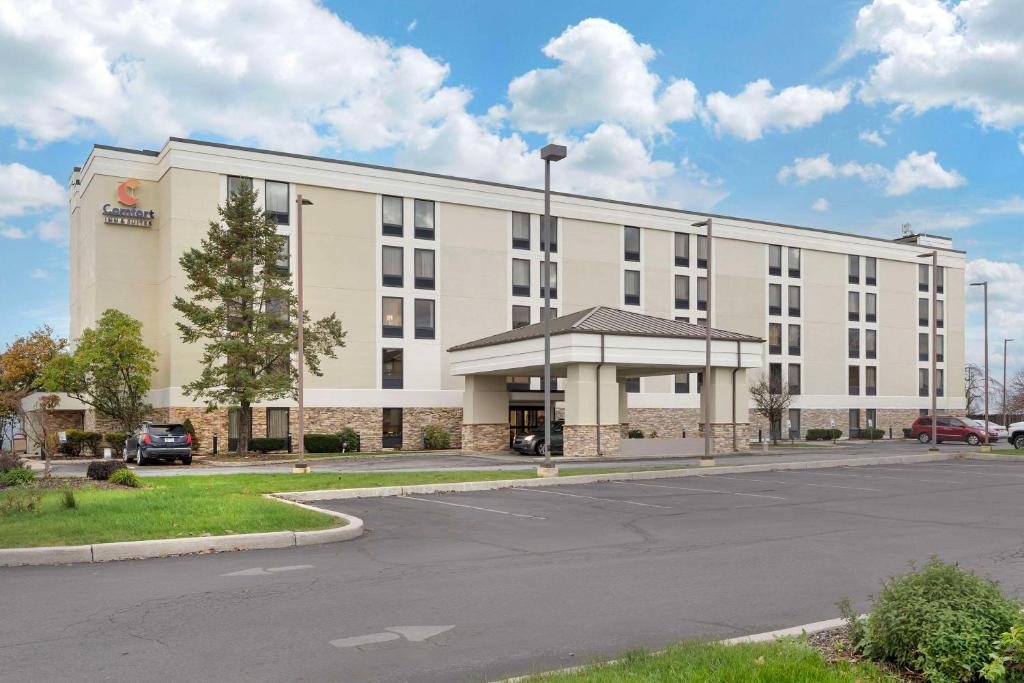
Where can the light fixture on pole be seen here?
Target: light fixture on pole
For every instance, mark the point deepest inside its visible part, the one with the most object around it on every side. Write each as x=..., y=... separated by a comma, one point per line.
x=984, y=287
x=549, y=153
x=707, y=459
x=1006, y=417
x=300, y=466
x=934, y=256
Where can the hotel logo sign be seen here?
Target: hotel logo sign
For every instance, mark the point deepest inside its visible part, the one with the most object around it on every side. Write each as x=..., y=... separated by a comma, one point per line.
x=128, y=213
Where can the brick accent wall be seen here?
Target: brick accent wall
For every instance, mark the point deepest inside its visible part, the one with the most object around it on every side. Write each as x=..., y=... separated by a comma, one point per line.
x=484, y=437
x=819, y=418
x=721, y=438
x=581, y=440
x=669, y=423
x=415, y=420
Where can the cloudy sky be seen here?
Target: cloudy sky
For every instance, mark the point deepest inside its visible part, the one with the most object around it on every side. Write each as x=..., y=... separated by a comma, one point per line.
x=851, y=115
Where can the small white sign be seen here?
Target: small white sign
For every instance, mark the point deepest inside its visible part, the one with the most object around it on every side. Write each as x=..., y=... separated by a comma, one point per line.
x=107, y=454
x=62, y=437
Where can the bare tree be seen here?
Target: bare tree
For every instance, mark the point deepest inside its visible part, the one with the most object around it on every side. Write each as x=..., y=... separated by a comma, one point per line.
x=974, y=388
x=771, y=400
x=1015, y=393
x=39, y=425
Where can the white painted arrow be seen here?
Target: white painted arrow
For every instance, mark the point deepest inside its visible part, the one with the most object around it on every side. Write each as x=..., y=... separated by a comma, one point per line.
x=413, y=634
x=260, y=571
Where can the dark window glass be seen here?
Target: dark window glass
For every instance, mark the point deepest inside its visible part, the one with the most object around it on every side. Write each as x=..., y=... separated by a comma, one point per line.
x=922, y=312
x=854, y=269
x=633, y=385
x=794, y=301
x=702, y=251
x=283, y=263
x=520, y=277
x=794, y=378
x=550, y=281
x=277, y=423
x=940, y=279
x=631, y=243
x=548, y=314
x=794, y=340
x=794, y=423
x=391, y=431
x=775, y=377
x=774, y=299
x=277, y=201
x=774, y=338
x=682, y=383
x=392, y=213
x=682, y=291
x=870, y=270
x=922, y=346
x=853, y=379
x=940, y=348
x=423, y=264
x=682, y=249
x=424, y=318
x=702, y=294
x=870, y=344
x=870, y=380
x=870, y=307
x=940, y=314
x=423, y=219
x=520, y=230
x=391, y=266
x=632, y=287
x=853, y=342
x=774, y=259
x=923, y=281
x=235, y=184
x=922, y=382
x=391, y=369
x=391, y=316
x=520, y=316
x=554, y=234
x=939, y=384
x=853, y=305
x=794, y=262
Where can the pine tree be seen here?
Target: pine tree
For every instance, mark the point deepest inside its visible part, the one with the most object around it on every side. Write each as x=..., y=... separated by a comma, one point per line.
x=243, y=309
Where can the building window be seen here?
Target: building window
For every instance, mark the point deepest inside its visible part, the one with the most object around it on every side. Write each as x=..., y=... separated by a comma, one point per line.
x=922, y=346
x=277, y=201
x=794, y=262
x=939, y=384
x=277, y=423
x=284, y=256
x=794, y=423
x=774, y=299
x=520, y=230
x=391, y=316
x=854, y=422
x=391, y=211
x=391, y=369
x=854, y=269
x=853, y=342
x=871, y=418
x=922, y=312
x=702, y=251
x=853, y=306
x=682, y=291
x=700, y=382
x=793, y=370
x=517, y=383
x=775, y=377
x=633, y=385
x=702, y=294
x=423, y=219
x=922, y=382
x=774, y=259
x=853, y=379
x=424, y=318
x=922, y=277
x=940, y=279
x=632, y=288
x=774, y=338
x=423, y=263
x=391, y=266
x=550, y=281
x=235, y=184
x=682, y=249
x=548, y=313
x=940, y=314
x=940, y=348
x=794, y=301
x=520, y=277
x=870, y=307
x=870, y=344
x=870, y=270
x=682, y=383
x=794, y=340
x=631, y=243
x=870, y=380
x=391, y=429
x=554, y=234
x=520, y=316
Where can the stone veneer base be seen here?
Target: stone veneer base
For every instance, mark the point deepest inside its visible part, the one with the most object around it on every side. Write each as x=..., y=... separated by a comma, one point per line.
x=580, y=441
x=484, y=437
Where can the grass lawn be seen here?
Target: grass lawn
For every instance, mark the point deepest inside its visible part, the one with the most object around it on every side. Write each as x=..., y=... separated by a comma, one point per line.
x=785, y=661
x=262, y=457
x=1007, y=451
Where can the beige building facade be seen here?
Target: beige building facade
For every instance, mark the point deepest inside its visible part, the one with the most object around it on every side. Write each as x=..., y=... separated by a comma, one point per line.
x=417, y=263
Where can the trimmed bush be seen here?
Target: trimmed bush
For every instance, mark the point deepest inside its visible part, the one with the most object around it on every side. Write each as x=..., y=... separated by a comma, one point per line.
x=940, y=620
x=17, y=477
x=823, y=434
x=81, y=443
x=187, y=424
x=267, y=444
x=349, y=440
x=125, y=477
x=635, y=434
x=435, y=437
x=102, y=469
x=116, y=441
x=322, y=443
x=9, y=461
x=874, y=434
x=908, y=433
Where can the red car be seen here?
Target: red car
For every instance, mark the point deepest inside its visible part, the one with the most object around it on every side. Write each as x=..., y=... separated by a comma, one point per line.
x=950, y=428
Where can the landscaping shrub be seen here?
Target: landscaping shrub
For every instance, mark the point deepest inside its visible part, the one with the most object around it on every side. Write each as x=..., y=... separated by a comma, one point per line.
x=635, y=434
x=187, y=424
x=9, y=461
x=67, y=498
x=116, y=441
x=349, y=440
x=908, y=433
x=125, y=477
x=940, y=620
x=874, y=434
x=17, y=477
x=102, y=469
x=20, y=500
x=322, y=443
x=81, y=443
x=823, y=434
x=1007, y=663
x=267, y=444
x=436, y=437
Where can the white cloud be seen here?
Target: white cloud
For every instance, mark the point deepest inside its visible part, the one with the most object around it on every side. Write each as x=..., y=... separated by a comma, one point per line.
x=602, y=75
x=968, y=55
x=1020, y=143
x=820, y=204
x=873, y=137
x=1005, y=300
x=24, y=190
x=39, y=274
x=910, y=173
x=54, y=228
x=756, y=110
x=412, y=25
x=13, y=233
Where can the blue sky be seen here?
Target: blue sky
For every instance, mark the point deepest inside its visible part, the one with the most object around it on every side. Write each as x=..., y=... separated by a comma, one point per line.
x=852, y=115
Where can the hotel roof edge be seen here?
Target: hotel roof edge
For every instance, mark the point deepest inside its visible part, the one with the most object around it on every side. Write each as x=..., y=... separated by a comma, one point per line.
x=492, y=183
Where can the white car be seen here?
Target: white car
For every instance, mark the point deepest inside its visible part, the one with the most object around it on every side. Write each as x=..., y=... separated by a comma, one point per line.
x=1016, y=434
x=1001, y=431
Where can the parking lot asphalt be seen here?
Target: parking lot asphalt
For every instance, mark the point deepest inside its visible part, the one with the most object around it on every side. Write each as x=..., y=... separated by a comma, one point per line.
x=477, y=586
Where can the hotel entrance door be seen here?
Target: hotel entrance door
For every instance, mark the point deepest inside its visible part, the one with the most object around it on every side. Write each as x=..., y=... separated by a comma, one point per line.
x=524, y=419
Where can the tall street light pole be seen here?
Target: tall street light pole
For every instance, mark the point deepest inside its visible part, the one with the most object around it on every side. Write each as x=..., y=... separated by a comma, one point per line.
x=1005, y=411
x=934, y=256
x=707, y=459
x=300, y=466
x=984, y=287
x=549, y=153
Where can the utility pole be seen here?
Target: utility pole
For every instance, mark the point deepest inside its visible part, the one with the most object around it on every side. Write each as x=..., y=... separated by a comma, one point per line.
x=549, y=153
x=707, y=459
x=984, y=287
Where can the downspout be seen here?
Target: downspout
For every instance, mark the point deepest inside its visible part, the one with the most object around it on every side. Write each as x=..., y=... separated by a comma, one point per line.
x=734, y=371
x=599, y=366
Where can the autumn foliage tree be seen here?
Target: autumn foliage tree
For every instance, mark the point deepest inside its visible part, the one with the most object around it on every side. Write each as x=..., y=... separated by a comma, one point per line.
x=21, y=368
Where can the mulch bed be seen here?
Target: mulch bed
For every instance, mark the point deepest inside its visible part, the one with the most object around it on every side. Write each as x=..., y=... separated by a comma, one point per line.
x=834, y=646
x=49, y=483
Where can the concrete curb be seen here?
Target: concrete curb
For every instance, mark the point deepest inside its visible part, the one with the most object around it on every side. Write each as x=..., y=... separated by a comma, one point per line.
x=993, y=456
x=458, y=487
x=168, y=547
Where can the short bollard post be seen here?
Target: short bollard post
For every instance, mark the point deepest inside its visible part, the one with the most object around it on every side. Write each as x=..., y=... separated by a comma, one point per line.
x=215, y=444
x=288, y=439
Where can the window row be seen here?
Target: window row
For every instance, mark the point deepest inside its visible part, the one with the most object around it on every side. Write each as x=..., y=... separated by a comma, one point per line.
x=923, y=278
x=775, y=300
x=870, y=270
x=631, y=247
x=870, y=307
x=275, y=196
x=393, y=217
x=682, y=291
x=870, y=380
x=923, y=384
x=775, y=339
x=922, y=313
x=870, y=343
x=682, y=383
x=392, y=317
x=922, y=347
x=521, y=232
x=792, y=384
x=775, y=260
x=521, y=278
x=393, y=267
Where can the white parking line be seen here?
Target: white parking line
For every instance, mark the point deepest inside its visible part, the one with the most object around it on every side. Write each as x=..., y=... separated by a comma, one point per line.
x=608, y=500
x=795, y=483
x=687, y=488
x=966, y=469
x=471, y=507
x=882, y=476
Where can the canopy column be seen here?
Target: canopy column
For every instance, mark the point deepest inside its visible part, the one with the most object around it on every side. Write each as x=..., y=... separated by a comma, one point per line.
x=485, y=413
x=724, y=400
x=591, y=410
